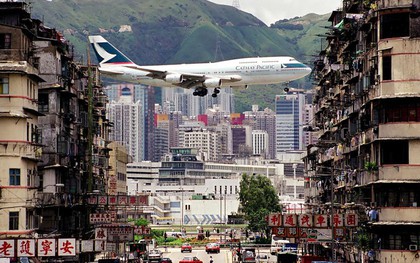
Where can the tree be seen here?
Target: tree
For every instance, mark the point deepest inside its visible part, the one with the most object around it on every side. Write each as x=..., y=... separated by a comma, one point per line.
x=141, y=222
x=258, y=198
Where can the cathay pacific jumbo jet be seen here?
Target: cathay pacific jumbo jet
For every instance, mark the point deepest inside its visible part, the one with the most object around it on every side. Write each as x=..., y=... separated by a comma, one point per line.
x=235, y=73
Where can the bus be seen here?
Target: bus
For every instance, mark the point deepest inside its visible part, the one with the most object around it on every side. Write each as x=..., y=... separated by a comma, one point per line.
x=163, y=220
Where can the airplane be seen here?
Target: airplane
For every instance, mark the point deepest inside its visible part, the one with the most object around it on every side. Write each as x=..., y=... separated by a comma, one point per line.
x=235, y=73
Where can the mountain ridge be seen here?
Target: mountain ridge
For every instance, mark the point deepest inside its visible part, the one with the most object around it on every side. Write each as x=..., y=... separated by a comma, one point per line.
x=185, y=31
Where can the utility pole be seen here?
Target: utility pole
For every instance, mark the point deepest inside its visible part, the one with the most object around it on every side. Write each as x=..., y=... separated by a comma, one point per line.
x=90, y=127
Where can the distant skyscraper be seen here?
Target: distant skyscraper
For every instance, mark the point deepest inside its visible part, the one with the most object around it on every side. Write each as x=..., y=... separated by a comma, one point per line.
x=289, y=120
x=266, y=121
x=133, y=120
x=184, y=101
x=162, y=131
x=207, y=142
x=241, y=140
x=309, y=137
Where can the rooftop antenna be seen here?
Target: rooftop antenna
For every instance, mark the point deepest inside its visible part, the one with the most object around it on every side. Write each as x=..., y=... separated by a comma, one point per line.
x=236, y=4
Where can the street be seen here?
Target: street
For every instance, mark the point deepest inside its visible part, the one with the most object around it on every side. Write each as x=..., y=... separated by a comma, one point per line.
x=225, y=255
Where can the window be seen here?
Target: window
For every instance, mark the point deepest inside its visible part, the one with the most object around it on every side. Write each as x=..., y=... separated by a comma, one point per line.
x=386, y=68
x=394, y=152
x=14, y=176
x=395, y=25
x=5, y=41
x=4, y=85
x=13, y=220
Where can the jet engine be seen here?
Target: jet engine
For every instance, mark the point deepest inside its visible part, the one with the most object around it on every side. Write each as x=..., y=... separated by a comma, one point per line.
x=173, y=78
x=212, y=83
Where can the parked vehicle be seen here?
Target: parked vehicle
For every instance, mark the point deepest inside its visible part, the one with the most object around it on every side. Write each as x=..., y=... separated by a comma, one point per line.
x=186, y=247
x=212, y=248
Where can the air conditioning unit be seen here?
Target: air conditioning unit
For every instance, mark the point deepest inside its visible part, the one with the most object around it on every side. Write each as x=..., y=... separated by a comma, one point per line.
x=412, y=247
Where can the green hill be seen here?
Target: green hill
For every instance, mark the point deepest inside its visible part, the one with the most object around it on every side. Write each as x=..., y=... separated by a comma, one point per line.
x=182, y=31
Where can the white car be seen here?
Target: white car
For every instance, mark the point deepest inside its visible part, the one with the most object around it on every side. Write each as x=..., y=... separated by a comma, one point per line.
x=262, y=258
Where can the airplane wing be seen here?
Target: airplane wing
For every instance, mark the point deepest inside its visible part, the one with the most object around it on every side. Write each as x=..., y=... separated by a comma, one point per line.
x=188, y=79
x=110, y=72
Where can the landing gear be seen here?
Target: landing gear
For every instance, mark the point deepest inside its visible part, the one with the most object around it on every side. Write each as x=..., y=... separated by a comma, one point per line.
x=286, y=87
x=200, y=92
x=215, y=92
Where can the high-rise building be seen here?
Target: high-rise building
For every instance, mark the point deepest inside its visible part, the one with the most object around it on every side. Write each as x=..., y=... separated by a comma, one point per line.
x=184, y=101
x=265, y=121
x=128, y=119
x=162, y=132
x=241, y=140
x=289, y=121
x=260, y=142
x=205, y=141
x=144, y=96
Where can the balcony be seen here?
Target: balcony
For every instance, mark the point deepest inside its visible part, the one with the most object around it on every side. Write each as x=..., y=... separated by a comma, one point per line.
x=399, y=130
x=384, y=4
x=399, y=214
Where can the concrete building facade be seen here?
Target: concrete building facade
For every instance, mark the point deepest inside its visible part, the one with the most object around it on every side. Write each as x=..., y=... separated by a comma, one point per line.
x=367, y=103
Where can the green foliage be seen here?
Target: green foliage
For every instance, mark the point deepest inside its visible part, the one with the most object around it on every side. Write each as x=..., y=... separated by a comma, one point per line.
x=363, y=240
x=258, y=198
x=141, y=222
x=371, y=167
x=157, y=233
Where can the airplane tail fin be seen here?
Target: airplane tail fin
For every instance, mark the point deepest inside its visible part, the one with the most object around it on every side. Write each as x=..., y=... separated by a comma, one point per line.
x=106, y=53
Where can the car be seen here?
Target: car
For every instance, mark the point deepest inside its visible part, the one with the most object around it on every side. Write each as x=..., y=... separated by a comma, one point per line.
x=212, y=248
x=165, y=260
x=248, y=255
x=190, y=259
x=186, y=247
x=155, y=255
x=262, y=258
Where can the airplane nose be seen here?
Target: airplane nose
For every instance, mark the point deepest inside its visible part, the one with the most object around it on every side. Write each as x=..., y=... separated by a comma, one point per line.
x=307, y=70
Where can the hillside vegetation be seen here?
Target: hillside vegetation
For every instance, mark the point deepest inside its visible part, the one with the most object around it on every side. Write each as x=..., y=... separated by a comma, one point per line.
x=182, y=31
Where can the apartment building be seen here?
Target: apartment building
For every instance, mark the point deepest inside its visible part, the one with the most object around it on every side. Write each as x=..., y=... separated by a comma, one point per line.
x=367, y=106
x=53, y=135
x=20, y=138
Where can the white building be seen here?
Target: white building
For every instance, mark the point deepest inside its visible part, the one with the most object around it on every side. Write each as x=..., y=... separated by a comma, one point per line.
x=202, y=196
x=259, y=142
x=205, y=140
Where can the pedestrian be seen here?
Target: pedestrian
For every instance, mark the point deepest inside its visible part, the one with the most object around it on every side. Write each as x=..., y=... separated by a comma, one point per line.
x=211, y=259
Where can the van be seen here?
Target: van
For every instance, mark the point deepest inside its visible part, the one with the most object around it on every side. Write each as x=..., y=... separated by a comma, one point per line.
x=277, y=244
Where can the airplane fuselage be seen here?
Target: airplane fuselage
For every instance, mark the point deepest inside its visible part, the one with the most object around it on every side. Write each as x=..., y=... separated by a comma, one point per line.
x=247, y=71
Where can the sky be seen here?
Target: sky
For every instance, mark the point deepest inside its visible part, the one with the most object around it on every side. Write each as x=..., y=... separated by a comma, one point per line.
x=270, y=11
